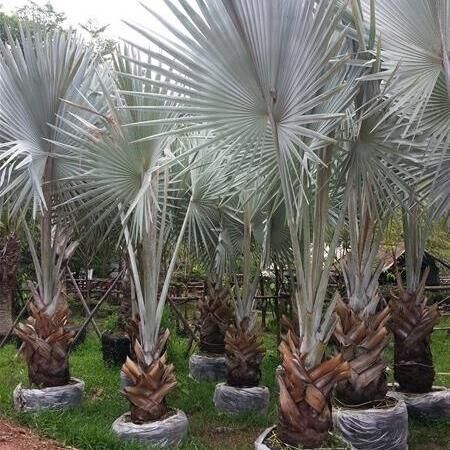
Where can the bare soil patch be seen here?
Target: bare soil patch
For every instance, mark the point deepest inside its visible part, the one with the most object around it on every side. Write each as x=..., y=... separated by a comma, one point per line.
x=14, y=437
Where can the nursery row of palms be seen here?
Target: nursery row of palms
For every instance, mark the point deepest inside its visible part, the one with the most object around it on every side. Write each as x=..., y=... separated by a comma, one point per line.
x=258, y=131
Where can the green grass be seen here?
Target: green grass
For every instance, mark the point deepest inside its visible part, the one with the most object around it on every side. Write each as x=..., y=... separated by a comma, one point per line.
x=88, y=427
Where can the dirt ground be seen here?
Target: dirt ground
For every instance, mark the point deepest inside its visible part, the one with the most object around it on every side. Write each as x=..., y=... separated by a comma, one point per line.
x=13, y=437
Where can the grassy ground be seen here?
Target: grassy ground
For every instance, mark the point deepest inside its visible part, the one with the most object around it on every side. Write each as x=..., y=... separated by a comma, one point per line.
x=88, y=427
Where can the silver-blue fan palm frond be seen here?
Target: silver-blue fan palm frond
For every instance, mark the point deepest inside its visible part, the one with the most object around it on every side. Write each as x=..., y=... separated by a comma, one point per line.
x=39, y=76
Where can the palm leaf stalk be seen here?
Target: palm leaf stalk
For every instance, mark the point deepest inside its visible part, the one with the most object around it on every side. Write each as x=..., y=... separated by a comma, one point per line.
x=39, y=75
x=275, y=103
x=416, y=51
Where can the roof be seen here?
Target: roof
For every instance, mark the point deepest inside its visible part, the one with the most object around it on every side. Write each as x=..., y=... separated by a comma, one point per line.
x=386, y=255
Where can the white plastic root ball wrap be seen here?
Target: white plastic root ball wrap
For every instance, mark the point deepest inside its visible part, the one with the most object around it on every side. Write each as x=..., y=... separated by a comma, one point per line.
x=260, y=445
x=233, y=400
x=207, y=367
x=374, y=428
x=57, y=397
x=165, y=433
x=431, y=405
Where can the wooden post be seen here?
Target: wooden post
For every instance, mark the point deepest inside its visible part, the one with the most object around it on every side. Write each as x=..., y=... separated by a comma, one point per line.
x=97, y=306
x=85, y=305
x=276, y=301
x=180, y=316
x=22, y=311
x=264, y=304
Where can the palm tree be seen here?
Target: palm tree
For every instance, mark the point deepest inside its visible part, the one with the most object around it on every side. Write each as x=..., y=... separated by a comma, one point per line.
x=415, y=49
x=130, y=180
x=39, y=76
x=275, y=102
x=377, y=168
x=243, y=346
x=207, y=189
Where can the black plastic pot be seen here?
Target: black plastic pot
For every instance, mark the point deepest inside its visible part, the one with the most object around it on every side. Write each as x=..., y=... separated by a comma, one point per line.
x=115, y=348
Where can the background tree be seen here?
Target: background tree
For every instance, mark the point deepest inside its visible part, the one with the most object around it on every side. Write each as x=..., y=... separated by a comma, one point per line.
x=44, y=16
x=103, y=45
x=11, y=22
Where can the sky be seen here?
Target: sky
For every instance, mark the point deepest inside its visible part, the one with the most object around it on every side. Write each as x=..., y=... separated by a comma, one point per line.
x=106, y=12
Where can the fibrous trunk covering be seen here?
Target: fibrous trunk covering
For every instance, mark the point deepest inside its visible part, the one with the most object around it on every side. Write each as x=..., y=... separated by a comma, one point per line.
x=412, y=324
x=244, y=354
x=9, y=257
x=215, y=318
x=305, y=395
x=150, y=383
x=362, y=343
x=45, y=346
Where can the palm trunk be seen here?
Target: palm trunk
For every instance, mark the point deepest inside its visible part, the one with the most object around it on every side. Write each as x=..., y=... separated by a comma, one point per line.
x=9, y=257
x=305, y=395
x=362, y=343
x=412, y=324
x=150, y=382
x=244, y=354
x=45, y=346
x=413, y=366
x=215, y=318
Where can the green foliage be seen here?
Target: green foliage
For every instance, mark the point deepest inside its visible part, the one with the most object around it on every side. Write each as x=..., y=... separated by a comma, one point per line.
x=393, y=233
x=45, y=16
x=438, y=243
x=103, y=45
x=111, y=323
x=10, y=22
